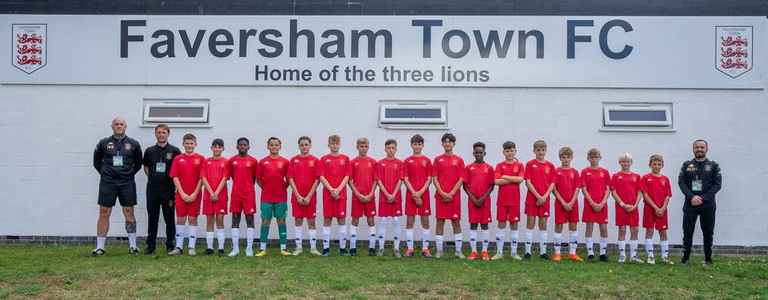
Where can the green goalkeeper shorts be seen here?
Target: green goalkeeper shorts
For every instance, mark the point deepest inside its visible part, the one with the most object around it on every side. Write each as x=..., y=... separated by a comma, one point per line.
x=273, y=210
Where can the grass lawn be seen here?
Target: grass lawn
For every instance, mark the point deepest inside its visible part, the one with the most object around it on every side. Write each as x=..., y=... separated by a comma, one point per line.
x=68, y=272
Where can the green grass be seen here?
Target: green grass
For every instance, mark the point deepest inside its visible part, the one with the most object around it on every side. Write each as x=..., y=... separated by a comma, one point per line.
x=68, y=272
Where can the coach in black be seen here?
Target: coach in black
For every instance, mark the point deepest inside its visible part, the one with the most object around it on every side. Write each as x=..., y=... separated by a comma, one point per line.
x=117, y=158
x=699, y=180
x=160, y=189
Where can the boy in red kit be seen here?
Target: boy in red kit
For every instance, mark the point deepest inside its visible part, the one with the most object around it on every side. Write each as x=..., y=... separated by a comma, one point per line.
x=389, y=178
x=509, y=174
x=478, y=184
x=185, y=172
x=243, y=169
x=273, y=170
x=303, y=176
x=626, y=191
x=418, y=175
x=335, y=169
x=214, y=174
x=539, y=179
x=656, y=192
x=567, y=183
x=448, y=170
x=362, y=182
x=596, y=183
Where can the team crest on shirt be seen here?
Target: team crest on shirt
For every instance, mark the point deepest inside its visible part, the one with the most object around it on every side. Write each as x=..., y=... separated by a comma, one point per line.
x=127, y=147
x=248, y=165
x=110, y=146
x=514, y=169
x=311, y=163
x=546, y=170
x=708, y=167
x=266, y=162
x=197, y=161
x=181, y=160
x=168, y=155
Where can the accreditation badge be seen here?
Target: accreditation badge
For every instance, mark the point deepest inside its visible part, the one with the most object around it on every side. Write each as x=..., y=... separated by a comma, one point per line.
x=160, y=167
x=696, y=185
x=117, y=161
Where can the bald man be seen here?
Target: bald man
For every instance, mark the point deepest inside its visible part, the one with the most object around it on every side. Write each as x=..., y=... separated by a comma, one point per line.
x=117, y=158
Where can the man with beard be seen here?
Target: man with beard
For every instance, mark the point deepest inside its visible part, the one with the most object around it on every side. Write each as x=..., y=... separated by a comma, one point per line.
x=699, y=180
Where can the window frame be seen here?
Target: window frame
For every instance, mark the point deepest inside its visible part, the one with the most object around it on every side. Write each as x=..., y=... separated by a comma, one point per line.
x=619, y=125
x=203, y=121
x=413, y=123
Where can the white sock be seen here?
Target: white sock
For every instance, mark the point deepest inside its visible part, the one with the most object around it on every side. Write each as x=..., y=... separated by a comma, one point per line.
x=514, y=237
x=101, y=242
x=590, y=244
x=649, y=247
x=542, y=242
x=396, y=232
x=439, y=243
x=372, y=237
x=313, y=239
x=574, y=243
x=297, y=233
x=326, y=237
x=180, y=235
x=484, y=237
x=622, y=248
x=209, y=239
x=603, y=245
x=221, y=237
x=382, y=230
x=409, y=238
x=665, y=249
x=528, y=241
x=353, y=237
x=500, y=242
x=558, y=242
x=425, y=239
x=132, y=240
x=192, y=233
x=343, y=236
x=458, y=239
x=250, y=235
x=235, y=239
x=633, y=248
x=473, y=239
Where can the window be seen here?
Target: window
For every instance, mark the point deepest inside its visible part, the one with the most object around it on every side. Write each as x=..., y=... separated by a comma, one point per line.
x=193, y=112
x=637, y=116
x=413, y=114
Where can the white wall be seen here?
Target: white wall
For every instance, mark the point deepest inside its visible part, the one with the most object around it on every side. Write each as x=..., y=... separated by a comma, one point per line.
x=49, y=186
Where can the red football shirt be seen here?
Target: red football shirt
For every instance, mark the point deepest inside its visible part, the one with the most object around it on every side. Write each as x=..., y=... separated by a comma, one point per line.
x=243, y=171
x=595, y=181
x=272, y=176
x=304, y=170
x=626, y=185
x=448, y=169
x=214, y=170
x=540, y=175
x=566, y=182
x=479, y=177
x=187, y=168
x=389, y=171
x=657, y=187
x=509, y=194
x=363, y=174
x=418, y=170
x=334, y=168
